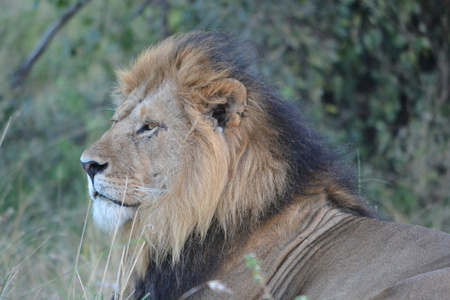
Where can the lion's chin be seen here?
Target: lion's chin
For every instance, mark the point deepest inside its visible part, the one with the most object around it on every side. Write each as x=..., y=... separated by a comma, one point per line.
x=109, y=216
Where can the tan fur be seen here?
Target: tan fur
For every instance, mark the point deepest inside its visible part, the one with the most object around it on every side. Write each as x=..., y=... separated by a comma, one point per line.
x=203, y=176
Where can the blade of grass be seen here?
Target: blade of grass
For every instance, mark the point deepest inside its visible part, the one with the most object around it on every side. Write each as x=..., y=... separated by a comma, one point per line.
x=75, y=269
x=113, y=240
x=5, y=130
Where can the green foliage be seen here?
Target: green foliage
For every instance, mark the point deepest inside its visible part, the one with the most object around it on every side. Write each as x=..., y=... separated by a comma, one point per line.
x=254, y=264
x=374, y=73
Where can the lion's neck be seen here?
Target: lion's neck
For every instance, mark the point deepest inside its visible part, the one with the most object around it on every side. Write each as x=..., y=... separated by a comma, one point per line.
x=294, y=232
x=290, y=263
x=300, y=230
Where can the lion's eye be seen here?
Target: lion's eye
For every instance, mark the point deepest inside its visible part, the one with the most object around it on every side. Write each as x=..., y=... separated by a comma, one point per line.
x=147, y=128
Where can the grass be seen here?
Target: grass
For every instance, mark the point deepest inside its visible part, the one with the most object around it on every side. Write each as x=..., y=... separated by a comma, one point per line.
x=49, y=248
x=43, y=263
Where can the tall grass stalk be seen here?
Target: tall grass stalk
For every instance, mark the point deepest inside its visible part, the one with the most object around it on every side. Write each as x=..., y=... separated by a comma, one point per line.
x=113, y=239
x=75, y=269
x=5, y=130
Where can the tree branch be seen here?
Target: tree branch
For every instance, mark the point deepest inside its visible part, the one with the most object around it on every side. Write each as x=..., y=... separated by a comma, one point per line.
x=21, y=73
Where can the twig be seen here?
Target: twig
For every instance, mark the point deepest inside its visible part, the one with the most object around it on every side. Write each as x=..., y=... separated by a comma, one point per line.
x=21, y=73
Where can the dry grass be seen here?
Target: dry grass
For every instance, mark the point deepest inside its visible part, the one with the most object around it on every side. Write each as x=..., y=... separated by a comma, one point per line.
x=43, y=263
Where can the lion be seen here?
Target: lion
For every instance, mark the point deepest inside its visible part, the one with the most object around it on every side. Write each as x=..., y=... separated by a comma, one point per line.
x=205, y=163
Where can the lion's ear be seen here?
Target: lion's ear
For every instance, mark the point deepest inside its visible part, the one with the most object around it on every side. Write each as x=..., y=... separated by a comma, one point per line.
x=227, y=99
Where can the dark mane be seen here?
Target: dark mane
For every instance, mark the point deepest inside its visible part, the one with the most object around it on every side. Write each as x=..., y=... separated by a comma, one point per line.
x=315, y=165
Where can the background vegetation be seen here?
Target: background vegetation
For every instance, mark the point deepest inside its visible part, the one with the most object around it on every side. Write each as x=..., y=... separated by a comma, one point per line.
x=374, y=75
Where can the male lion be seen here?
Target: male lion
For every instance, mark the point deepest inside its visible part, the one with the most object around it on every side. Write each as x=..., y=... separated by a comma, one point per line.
x=205, y=163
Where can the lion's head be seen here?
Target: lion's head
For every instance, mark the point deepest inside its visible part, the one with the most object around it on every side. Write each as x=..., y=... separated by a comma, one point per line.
x=199, y=142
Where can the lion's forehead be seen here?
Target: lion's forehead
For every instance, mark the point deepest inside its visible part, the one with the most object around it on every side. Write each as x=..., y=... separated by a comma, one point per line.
x=155, y=104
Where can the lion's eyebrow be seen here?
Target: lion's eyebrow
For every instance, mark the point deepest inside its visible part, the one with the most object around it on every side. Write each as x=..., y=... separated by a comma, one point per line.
x=132, y=100
x=122, y=111
x=150, y=121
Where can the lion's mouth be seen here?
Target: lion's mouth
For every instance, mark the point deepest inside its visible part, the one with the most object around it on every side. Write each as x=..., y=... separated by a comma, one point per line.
x=117, y=202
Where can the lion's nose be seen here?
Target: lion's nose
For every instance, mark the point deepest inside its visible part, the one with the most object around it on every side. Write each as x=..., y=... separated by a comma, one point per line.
x=92, y=168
